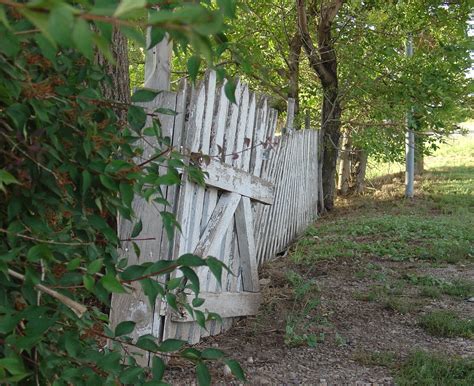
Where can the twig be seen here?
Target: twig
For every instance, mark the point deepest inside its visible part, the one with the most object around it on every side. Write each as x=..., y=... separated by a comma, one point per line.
x=43, y=241
x=77, y=308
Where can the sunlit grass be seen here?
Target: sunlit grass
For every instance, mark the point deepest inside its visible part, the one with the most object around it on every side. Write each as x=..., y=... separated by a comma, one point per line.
x=457, y=150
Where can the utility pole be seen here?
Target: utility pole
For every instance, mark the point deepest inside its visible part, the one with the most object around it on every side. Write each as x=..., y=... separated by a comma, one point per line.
x=409, y=139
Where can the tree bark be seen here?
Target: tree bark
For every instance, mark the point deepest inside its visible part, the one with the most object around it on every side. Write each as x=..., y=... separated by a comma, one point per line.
x=345, y=164
x=331, y=132
x=294, y=70
x=117, y=87
x=359, y=169
x=419, y=157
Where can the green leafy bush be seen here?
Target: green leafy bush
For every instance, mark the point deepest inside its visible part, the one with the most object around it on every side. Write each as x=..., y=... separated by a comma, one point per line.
x=67, y=170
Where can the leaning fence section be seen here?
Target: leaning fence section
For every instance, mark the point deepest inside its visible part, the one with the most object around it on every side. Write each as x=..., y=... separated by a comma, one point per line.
x=238, y=226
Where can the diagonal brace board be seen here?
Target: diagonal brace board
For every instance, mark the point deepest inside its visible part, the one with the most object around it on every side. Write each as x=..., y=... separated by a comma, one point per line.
x=246, y=242
x=228, y=178
x=217, y=225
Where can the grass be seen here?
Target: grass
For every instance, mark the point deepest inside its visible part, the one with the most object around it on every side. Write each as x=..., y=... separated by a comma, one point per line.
x=433, y=287
x=432, y=370
x=375, y=358
x=436, y=226
x=303, y=321
x=454, y=151
x=447, y=324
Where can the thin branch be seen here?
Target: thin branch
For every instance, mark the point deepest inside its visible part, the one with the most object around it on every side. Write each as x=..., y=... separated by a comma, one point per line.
x=77, y=308
x=43, y=241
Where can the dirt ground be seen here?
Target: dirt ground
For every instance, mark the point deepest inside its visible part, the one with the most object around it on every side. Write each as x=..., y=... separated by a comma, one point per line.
x=353, y=331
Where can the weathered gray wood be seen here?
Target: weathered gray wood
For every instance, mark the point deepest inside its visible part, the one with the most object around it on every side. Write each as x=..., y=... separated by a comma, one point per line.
x=158, y=64
x=230, y=179
x=135, y=306
x=290, y=115
x=226, y=304
x=245, y=237
x=219, y=221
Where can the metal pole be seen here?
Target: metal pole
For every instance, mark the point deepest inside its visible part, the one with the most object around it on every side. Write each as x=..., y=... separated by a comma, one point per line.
x=409, y=140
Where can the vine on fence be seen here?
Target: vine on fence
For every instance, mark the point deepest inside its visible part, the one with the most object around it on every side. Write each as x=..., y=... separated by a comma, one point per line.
x=67, y=170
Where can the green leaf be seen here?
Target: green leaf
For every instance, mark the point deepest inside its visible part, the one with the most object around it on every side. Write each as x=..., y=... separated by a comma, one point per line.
x=40, y=21
x=198, y=302
x=111, y=284
x=86, y=181
x=19, y=114
x=38, y=252
x=116, y=166
x=137, y=228
x=212, y=353
x=157, y=368
x=203, y=375
x=151, y=289
x=193, y=65
x=72, y=344
x=156, y=36
x=216, y=267
x=147, y=343
x=132, y=375
x=229, y=90
x=136, y=249
x=228, y=6
x=169, y=222
x=191, y=353
x=82, y=38
x=6, y=179
x=214, y=316
x=124, y=328
x=236, y=370
x=13, y=365
x=88, y=282
x=173, y=283
x=190, y=260
x=136, y=117
x=127, y=6
x=166, y=111
x=126, y=191
x=108, y=182
x=73, y=264
x=200, y=318
x=133, y=272
x=144, y=95
x=60, y=23
x=193, y=278
x=4, y=18
x=170, y=345
x=168, y=179
x=95, y=266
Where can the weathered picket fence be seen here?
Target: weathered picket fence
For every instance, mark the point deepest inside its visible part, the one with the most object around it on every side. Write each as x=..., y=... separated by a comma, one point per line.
x=262, y=191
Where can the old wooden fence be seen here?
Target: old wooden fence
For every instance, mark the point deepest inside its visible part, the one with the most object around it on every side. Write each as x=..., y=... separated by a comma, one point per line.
x=262, y=191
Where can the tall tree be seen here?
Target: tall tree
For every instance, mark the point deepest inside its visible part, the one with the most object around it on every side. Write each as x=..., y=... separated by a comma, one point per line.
x=323, y=60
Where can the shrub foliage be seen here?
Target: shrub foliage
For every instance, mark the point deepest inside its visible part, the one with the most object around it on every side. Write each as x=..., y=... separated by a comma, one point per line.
x=67, y=170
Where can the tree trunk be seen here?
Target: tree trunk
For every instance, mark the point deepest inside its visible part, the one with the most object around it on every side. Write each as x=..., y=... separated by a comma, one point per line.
x=323, y=61
x=331, y=131
x=345, y=164
x=294, y=71
x=117, y=88
x=419, y=158
x=359, y=169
